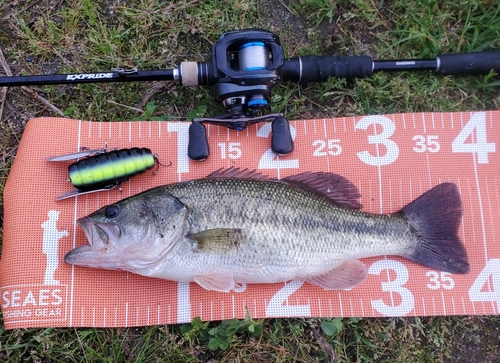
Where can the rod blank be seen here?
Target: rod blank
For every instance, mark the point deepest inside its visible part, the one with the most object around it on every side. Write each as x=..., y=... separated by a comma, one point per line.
x=300, y=69
x=101, y=77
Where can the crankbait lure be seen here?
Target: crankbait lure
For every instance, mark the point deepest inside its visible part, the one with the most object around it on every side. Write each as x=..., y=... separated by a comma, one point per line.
x=104, y=170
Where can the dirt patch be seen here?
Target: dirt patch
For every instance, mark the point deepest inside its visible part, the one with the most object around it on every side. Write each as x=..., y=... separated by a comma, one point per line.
x=475, y=339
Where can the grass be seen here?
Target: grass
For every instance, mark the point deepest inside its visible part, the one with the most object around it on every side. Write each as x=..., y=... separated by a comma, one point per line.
x=39, y=37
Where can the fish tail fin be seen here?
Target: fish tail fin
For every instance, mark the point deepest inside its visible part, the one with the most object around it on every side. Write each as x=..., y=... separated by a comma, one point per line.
x=435, y=218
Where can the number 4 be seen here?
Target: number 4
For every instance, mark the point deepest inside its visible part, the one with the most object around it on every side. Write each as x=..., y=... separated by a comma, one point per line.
x=480, y=146
x=489, y=276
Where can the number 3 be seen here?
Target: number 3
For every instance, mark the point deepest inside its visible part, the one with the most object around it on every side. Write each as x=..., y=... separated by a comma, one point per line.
x=407, y=299
x=392, y=149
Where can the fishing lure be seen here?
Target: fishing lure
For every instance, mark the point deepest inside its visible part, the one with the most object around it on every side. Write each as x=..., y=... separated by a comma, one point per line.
x=101, y=169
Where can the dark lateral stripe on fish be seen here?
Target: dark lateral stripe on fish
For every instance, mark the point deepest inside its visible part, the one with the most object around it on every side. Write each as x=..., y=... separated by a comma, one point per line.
x=436, y=216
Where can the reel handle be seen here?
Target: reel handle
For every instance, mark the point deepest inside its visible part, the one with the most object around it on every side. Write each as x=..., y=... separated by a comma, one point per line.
x=198, y=144
x=281, y=139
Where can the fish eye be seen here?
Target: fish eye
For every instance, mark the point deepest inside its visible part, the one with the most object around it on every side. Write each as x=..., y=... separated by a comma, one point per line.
x=111, y=211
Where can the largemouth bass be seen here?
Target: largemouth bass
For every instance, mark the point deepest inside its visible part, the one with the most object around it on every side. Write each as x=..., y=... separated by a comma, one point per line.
x=236, y=227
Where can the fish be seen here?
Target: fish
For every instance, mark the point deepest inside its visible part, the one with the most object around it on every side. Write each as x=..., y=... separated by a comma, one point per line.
x=237, y=227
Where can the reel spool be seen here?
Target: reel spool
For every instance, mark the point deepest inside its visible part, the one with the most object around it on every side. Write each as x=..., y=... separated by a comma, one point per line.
x=251, y=56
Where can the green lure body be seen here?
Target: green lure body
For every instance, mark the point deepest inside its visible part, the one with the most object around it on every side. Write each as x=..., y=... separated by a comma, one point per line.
x=110, y=168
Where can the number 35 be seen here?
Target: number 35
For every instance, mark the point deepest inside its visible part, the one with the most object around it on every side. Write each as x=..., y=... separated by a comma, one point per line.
x=432, y=145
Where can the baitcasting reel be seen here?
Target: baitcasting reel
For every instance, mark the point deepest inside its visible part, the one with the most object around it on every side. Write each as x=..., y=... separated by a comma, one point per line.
x=247, y=64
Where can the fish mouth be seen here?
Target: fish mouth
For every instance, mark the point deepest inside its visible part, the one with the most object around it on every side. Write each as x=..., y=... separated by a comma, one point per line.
x=99, y=252
x=78, y=256
x=86, y=256
x=86, y=224
x=101, y=235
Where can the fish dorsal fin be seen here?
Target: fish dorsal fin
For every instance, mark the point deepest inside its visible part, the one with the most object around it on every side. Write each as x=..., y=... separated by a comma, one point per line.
x=221, y=282
x=217, y=240
x=348, y=275
x=237, y=173
x=336, y=188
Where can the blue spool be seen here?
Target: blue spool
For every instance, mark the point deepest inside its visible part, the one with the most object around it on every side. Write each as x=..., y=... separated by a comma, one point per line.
x=257, y=103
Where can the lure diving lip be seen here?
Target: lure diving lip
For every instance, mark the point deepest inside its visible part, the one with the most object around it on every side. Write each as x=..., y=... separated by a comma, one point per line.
x=101, y=170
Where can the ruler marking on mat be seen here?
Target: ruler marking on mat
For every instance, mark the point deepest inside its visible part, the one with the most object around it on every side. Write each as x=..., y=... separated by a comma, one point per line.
x=410, y=154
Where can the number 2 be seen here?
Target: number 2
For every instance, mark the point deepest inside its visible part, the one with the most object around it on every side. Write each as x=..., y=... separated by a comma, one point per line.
x=269, y=159
x=276, y=307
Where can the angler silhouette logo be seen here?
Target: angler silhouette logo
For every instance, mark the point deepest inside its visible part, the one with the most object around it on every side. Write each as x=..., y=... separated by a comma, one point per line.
x=51, y=237
x=40, y=302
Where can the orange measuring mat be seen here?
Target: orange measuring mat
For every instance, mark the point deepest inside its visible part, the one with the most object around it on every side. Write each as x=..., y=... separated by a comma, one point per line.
x=392, y=159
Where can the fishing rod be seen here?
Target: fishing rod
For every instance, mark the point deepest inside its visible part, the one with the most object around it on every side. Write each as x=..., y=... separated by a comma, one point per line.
x=246, y=64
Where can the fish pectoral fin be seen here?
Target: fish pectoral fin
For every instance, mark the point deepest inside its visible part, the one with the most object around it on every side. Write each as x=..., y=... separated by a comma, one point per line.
x=350, y=274
x=217, y=240
x=221, y=282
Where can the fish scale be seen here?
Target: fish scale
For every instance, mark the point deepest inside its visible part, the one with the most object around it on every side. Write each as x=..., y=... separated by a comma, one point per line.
x=257, y=230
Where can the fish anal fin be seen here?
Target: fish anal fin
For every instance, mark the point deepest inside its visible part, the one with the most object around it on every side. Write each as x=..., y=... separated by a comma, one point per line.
x=237, y=173
x=221, y=282
x=217, y=240
x=332, y=186
x=348, y=275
